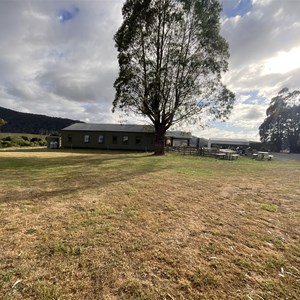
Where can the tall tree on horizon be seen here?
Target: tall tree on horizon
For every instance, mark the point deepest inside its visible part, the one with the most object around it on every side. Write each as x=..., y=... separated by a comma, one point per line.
x=281, y=128
x=171, y=57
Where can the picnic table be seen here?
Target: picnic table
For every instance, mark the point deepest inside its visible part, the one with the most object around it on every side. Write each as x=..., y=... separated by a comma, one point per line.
x=229, y=154
x=261, y=155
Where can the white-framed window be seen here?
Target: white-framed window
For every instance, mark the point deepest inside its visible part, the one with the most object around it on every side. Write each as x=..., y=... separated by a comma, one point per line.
x=101, y=139
x=86, y=138
x=125, y=139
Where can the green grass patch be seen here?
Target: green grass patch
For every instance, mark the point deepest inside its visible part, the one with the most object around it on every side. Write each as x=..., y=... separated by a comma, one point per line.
x=47, y=291
x=269, y=207
x=275, y=263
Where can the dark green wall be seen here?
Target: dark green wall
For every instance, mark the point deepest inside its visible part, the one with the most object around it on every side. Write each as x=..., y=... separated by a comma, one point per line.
x=77, y=141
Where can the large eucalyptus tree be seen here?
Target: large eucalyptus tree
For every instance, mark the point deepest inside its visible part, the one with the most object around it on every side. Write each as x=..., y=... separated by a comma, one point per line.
x=281, y=128
x=171, y=58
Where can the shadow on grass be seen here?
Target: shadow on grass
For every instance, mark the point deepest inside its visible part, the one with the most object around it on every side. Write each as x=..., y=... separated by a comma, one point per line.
x=41, y=178
x=71, y=151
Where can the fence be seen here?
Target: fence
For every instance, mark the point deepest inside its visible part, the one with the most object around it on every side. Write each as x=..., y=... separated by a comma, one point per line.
x=186, y=150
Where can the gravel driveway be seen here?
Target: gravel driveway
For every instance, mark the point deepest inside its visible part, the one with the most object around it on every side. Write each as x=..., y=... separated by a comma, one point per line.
x=287, y=156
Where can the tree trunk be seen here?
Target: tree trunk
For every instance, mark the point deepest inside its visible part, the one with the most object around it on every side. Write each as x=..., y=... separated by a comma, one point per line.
x=159, y=142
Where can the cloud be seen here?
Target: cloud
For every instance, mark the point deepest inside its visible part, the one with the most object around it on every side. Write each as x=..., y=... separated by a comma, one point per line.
x=269, y=28
x=264, y=48
x=58, y=58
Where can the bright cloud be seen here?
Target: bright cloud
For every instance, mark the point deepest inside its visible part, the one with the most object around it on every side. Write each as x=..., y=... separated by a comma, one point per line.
x=283, y=62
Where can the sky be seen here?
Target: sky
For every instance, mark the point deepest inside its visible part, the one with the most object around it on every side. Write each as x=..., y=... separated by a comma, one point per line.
x=58, y=58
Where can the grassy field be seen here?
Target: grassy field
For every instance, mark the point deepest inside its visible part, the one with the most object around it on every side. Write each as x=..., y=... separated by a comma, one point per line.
x=107, y=225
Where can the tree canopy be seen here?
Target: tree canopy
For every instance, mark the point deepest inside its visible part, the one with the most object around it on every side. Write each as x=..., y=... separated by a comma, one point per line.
x=2, y=122
x=281, y=128
x=171, y=57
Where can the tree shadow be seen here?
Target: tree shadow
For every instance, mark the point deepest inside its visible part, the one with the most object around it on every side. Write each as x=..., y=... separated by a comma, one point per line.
x=50, y=177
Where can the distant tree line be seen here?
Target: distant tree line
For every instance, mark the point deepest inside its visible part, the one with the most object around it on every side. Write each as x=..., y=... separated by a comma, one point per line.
x=18, y=122
x=281, y=128
x=22, y=141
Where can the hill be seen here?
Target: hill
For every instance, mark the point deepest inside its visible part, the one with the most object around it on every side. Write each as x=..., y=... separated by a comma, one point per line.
x=19, y=122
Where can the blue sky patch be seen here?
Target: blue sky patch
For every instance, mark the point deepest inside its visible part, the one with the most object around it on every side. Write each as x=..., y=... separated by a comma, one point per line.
x=67, y=15
x=253, y=98
x=240, y=9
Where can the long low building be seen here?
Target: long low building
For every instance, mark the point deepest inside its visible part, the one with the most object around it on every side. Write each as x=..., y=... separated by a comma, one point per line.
x=227, y=142
x=114, y=136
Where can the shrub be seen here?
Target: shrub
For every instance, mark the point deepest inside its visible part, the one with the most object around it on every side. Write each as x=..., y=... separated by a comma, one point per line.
x=23, y=143
x=18, y=141
x=35, y=139
x=6, y=143
x=42, y=143
x=7, y=138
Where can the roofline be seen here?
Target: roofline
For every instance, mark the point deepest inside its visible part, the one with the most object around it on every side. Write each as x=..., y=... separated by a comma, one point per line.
x=106, y=124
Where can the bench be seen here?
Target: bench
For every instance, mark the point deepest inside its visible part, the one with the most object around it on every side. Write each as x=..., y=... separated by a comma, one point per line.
x=254, y=155
x=220, y=155
x=234, y=156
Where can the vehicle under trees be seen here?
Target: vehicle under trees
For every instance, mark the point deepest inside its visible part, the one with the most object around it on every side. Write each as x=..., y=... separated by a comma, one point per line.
x=171, y=58
x=281, y=128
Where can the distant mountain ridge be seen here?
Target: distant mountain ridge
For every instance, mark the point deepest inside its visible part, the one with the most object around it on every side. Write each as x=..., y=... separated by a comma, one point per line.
x=19, y=122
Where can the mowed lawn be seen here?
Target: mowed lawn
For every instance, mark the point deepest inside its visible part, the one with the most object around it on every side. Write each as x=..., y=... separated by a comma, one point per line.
x=108, y=225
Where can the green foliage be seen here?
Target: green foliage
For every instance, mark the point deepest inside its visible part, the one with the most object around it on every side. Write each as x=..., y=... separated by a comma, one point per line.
x=63, y=247
x=7, y=138
x=25, y=138
x=171, y=56
x=21, y=141
x=47, y=291
x=5, y=144
x=2, y=122
x=269, y=207
x=42, y=143
x=281, y=128
x=201, y=279
x=274, y=263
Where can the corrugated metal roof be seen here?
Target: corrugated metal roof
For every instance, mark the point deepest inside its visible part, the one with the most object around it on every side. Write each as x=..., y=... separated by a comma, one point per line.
x=229, y=141
x=110, y=127
x=123, y=128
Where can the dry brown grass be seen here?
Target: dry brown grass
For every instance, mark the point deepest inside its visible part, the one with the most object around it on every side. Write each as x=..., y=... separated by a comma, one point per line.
x=96, y=225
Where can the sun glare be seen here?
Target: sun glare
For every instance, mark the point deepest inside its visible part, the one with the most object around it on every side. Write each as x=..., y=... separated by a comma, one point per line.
x=283, y=62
